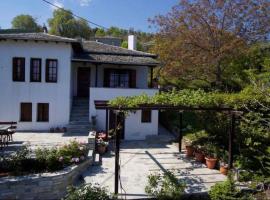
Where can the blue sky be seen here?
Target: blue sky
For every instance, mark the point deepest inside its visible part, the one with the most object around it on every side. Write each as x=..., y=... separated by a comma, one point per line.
x=120, y=13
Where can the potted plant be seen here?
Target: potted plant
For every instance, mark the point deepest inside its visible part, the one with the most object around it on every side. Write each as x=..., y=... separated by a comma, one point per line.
x=101, y=146
x=190, y=150
x=223, y=166
x=199, y=154
x=211, y=156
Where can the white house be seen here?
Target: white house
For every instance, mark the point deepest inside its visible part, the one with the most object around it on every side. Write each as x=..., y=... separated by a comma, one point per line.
x=48, y=81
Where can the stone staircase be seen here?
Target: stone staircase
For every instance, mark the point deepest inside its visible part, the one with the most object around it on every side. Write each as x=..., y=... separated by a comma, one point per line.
x=79, y=119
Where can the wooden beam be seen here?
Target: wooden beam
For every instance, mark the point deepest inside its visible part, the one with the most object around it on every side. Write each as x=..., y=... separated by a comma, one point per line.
x=231, y=138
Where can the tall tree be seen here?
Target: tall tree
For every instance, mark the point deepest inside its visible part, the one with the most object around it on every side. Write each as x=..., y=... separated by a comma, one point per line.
x=197, y=38
x=25, y=22
x=64, y=24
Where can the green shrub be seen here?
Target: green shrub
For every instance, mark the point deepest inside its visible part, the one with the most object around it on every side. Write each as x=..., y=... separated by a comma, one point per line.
x=227, y=191
x=41, y=160
x=86, y=192
x=165, y=187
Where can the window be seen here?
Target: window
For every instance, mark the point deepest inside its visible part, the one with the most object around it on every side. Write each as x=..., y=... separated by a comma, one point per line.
x=35, y=71
x=19, y=69
x=119, y=78
x=51, y=71
x=146, y=116
x=26, y=112
x=42, y=112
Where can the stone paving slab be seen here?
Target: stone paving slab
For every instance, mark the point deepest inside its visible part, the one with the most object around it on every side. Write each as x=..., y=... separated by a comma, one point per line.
x=141, y=158
x=38, y=139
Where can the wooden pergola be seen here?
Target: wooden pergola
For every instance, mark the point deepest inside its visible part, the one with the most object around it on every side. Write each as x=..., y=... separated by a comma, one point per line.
x=103, y=105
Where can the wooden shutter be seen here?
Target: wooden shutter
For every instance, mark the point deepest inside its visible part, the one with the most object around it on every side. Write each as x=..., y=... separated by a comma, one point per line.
x=106, y=78
x=15, y=75
x=43, y=112
x=132, y=78
x=26, y=112
x=146, y=116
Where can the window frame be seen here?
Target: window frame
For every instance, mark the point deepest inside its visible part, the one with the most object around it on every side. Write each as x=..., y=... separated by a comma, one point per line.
x=48, y=80
x=22, y=116
x=46, y=112
x=119, y=75
x=146, y=117
x=15, y=76
x=32, y=69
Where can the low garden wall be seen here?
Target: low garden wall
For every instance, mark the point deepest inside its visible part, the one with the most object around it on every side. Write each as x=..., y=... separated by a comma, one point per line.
x=45, y=185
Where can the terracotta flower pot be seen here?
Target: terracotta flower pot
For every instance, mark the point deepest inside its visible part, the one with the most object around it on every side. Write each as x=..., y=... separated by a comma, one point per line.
x=190, y=151
x=199, y=156
x=101, y=149
x=3, y=174
x=223, y=170
x=211, y=162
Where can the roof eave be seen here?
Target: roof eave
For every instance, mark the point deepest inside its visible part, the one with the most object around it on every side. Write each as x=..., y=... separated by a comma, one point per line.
x=115, y=63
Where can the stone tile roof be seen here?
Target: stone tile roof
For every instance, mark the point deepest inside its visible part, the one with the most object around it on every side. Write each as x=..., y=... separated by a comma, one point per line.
x=36, y=37
x=97, y=47
x=91, y=51
x=97, y=52
x=116, y=59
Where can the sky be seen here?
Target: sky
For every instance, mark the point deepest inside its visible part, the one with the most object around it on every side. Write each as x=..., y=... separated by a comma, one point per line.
x=121, y=13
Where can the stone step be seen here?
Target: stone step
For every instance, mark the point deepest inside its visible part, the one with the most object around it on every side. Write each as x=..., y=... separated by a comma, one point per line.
x=78, y=115
x=79, y=122
x=78, y=126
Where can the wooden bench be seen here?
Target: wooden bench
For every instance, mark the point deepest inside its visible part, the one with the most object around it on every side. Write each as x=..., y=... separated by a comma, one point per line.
x=7, y=129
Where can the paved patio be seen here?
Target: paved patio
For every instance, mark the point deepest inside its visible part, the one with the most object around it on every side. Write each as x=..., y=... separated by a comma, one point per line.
x=41, y=139
x=141, y=158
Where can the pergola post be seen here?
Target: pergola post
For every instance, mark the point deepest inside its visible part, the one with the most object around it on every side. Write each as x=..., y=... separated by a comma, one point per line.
x=107, y=121
x=231, y=138
x=118, y=127
x=180, y=131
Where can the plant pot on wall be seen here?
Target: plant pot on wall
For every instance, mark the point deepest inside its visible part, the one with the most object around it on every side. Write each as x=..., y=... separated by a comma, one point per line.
x=190, y=151
x=199, y=156
x=224, y=169
x=210, y=162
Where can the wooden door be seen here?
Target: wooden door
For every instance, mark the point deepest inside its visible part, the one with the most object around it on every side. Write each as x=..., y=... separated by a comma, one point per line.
x=83, y=82
x=112, y=121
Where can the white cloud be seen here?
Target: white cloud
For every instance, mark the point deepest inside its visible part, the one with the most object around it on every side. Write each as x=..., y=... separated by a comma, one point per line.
x=84, y=2
x=59, y=3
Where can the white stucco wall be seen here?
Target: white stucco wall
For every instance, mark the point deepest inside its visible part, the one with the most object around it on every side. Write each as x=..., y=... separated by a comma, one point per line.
x=134, y=129
x=58, y=95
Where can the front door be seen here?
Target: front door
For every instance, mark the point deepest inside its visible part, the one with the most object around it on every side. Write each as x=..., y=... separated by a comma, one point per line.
x=112, y=121
x=83, y=82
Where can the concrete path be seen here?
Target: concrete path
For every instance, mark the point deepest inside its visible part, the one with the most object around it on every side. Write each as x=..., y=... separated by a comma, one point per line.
x=141, y=158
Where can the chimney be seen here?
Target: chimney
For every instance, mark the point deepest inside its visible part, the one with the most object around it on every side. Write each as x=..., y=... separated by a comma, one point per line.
x=132, y=42
x=45, y=30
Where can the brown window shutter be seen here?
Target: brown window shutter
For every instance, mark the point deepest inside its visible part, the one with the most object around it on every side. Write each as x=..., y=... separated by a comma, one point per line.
x=132, y=78
x=23, y=74
x=26, y=112
x=106, y=78
x=14, y=74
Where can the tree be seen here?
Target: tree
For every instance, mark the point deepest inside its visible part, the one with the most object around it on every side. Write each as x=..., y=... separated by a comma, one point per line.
x=25, y=22
x=100, y=33
x=64, y=24
x=196, y=39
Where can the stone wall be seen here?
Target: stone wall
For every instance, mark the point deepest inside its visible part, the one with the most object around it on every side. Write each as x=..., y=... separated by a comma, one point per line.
x=45, y=185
